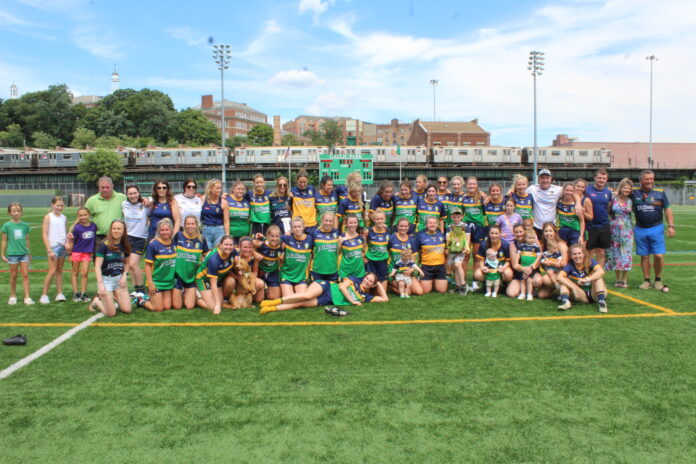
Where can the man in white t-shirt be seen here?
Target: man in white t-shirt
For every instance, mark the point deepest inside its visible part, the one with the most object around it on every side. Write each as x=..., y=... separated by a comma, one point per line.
x=546, y=196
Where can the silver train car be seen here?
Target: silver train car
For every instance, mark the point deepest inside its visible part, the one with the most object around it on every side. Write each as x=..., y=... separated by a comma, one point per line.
x=567, y=156
x=245, y=156
x=478, y=155
x=11, y=158
x=182, y=156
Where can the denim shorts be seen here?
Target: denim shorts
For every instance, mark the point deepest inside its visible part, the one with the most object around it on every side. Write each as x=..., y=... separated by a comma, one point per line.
x=112, y=283
x=59, y=251
x=212, y=235
x=16, y=259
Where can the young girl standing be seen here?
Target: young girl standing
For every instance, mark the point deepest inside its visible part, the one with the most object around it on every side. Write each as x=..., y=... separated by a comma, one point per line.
x=135, y=214
x=81, y=246
x=508, y=221
x=54, y=237
x=15, y=251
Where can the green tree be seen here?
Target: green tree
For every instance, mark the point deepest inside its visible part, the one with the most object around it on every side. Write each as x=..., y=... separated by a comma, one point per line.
x=236, y=141
x=108, y=141
x=43, y=140
x=261, y=136
x=98, y=164
x=317, y=137
x=149, y=112
x=83, y=137
x=193, y=128
x=332, y=132
x=289, y=139
x=48, y=111
x=13, y=137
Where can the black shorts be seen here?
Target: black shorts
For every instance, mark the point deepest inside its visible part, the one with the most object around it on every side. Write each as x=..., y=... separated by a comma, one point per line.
x=598, y=238
x=327, y=277
x=379, y=268
x=181, y=285
x=434, y=272
x=138, y=245
x=272, y=279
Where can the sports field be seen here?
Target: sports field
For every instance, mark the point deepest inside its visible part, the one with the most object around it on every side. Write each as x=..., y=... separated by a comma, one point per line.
x=441, y=378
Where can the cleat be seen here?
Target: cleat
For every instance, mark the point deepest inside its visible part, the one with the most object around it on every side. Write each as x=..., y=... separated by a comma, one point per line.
x=603, y=307
x=474, y=286
x=565, y=306
x=645, y=285
x=12, y=300
x=29, y=301
x=60, y=298
x=17, y=340
x=44, y=299
x=267, y=309
x=335, y=312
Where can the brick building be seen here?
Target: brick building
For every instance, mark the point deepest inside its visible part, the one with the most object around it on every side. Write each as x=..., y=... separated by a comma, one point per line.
x=636, y=154
x=439, y=133
x=303, y=123
x=394, y=133
x=239, y=118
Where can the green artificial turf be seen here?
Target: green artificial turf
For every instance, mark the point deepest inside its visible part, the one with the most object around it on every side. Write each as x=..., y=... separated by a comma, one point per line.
x=614, y=390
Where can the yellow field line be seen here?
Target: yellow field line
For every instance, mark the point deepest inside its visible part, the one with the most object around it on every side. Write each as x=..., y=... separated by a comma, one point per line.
x=347, y=323
x=641, y=302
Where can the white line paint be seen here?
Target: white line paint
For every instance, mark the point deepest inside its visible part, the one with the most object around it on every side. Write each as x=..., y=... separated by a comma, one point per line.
x=5, y=373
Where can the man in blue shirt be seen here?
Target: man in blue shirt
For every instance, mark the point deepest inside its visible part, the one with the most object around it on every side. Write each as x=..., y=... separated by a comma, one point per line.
x=649, y=204
x=598, y=233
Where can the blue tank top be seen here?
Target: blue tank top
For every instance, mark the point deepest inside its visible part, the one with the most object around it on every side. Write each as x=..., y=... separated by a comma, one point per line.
x=211, y=213
x=157, y=213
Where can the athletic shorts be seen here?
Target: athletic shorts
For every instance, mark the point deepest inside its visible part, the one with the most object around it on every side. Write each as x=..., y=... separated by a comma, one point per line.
x=112, y=283
x=16, y=259
x=59, y=251
x=77, y=257
x=272, y=279
x=181, y=285
x=598, y=238
x=137, y=244
x=202, y=285
x=434, y=272
x=287, y=282
x=379, y=268
x=327, y=277
x=568, y=235
x=325, y=297
x=478, y=233
x=650, y=240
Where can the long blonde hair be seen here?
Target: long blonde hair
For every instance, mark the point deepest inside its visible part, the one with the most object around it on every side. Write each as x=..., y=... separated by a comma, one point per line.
x=209, y=187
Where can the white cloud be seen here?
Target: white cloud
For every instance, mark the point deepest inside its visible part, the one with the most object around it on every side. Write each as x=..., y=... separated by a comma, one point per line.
x=98, y=42
x=188, y=35
x=261, y=43
x=8, y=18
x=296, y=78
x=331, y=104
x=315, y=7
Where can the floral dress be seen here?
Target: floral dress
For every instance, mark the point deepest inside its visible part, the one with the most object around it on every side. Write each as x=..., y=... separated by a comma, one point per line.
x=620, y=253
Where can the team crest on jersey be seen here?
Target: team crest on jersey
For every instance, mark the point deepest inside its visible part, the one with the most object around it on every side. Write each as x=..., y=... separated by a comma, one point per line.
x=306, y=245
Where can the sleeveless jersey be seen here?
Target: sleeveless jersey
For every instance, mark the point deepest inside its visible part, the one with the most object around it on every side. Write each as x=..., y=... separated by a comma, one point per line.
x=158, y=212
x=211, y=213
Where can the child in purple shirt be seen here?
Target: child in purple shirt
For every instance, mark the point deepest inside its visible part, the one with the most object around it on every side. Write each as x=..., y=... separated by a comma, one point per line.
x=81, y=246
x=508, y=220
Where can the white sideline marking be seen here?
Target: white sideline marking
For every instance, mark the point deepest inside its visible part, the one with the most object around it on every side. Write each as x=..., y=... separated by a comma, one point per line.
x=5, y=373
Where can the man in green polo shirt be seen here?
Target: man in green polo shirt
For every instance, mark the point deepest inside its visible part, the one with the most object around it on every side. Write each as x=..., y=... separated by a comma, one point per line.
x=105, y=206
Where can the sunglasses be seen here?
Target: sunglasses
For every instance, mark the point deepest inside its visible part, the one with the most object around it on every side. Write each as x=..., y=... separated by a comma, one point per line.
x=190, y=186
x=162, y=187
x=441, y=181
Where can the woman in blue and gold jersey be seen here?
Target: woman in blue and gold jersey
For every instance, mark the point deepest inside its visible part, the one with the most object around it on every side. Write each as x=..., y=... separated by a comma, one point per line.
x=326, y=200
x=304, y=201
x=524, y=202
x=405, y=207
x=383, y=201
x=571, y=220
x=352, y=204
x=429, y=206
x=494, y=206
x=433, y=256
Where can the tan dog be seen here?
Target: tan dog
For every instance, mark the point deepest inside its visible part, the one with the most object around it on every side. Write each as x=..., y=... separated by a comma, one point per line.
x=246, y=285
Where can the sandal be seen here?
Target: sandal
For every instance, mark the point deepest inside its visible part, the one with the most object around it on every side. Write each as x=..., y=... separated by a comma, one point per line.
x=335, y=312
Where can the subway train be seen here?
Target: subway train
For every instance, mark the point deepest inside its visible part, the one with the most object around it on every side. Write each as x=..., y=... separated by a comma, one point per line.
x=308, y=156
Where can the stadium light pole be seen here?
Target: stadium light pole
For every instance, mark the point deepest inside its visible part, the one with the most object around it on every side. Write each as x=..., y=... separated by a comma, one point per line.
x=434, y=82
x=222, y=55
x=652, y=59
x=536, y=66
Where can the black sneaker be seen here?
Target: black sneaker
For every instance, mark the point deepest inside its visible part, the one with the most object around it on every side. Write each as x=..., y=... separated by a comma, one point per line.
x=335, y=312
x=456, y=289
x=86, y=298
x=17, y=340
x=463, y=290
x=77, y=297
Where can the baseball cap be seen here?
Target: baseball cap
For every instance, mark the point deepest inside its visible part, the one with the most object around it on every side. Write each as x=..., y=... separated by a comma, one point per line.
x=456, y=211
x=544, y=172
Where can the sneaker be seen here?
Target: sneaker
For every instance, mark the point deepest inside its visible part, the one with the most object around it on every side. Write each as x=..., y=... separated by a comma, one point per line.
x=77, y=297
x=565, y=306
x=402, y=296
x=603, y=307
x=645, y=285
x=44, y=299
x=494, y=295
x=17, y=340
x=86, y=298
x=530, y=297
x=522, y=296
x=408, y=296
x=29, y=301
x=658, y=285
x=488, y=293
x=455, y=289
x=60, y=298
x=12, y=300
x=464, y=290
x=474, y=286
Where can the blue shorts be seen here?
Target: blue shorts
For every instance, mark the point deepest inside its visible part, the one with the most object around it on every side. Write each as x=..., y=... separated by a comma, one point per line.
x=287, y=282
x=325, y=297
x=327, y=277
x=478, y=233
x=137, y=244
x=181, y=285
x=650, y=240
x=434, y=272
x=16, y=259
x=59, y=251
x=378, y=267
x=568, y=235
x=272, y=279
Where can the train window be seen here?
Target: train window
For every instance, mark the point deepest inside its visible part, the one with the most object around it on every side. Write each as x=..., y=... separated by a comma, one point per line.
x=555, y=153
x=583, y=152
x=480, y=143
x=67, y=156
x=466, y=143
x=569, y=153
x=478, y=151
x=166, y=154
x=296, y=152
x=2, y=157
x=463, y=153
x=365, y=152
x=492, y=152
x=450, y=144
x=506, y=152
x=597, y=153
x=265, y=152
x=196, y=154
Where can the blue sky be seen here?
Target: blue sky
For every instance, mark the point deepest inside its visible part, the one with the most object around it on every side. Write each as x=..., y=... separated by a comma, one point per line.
x=374, y=60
